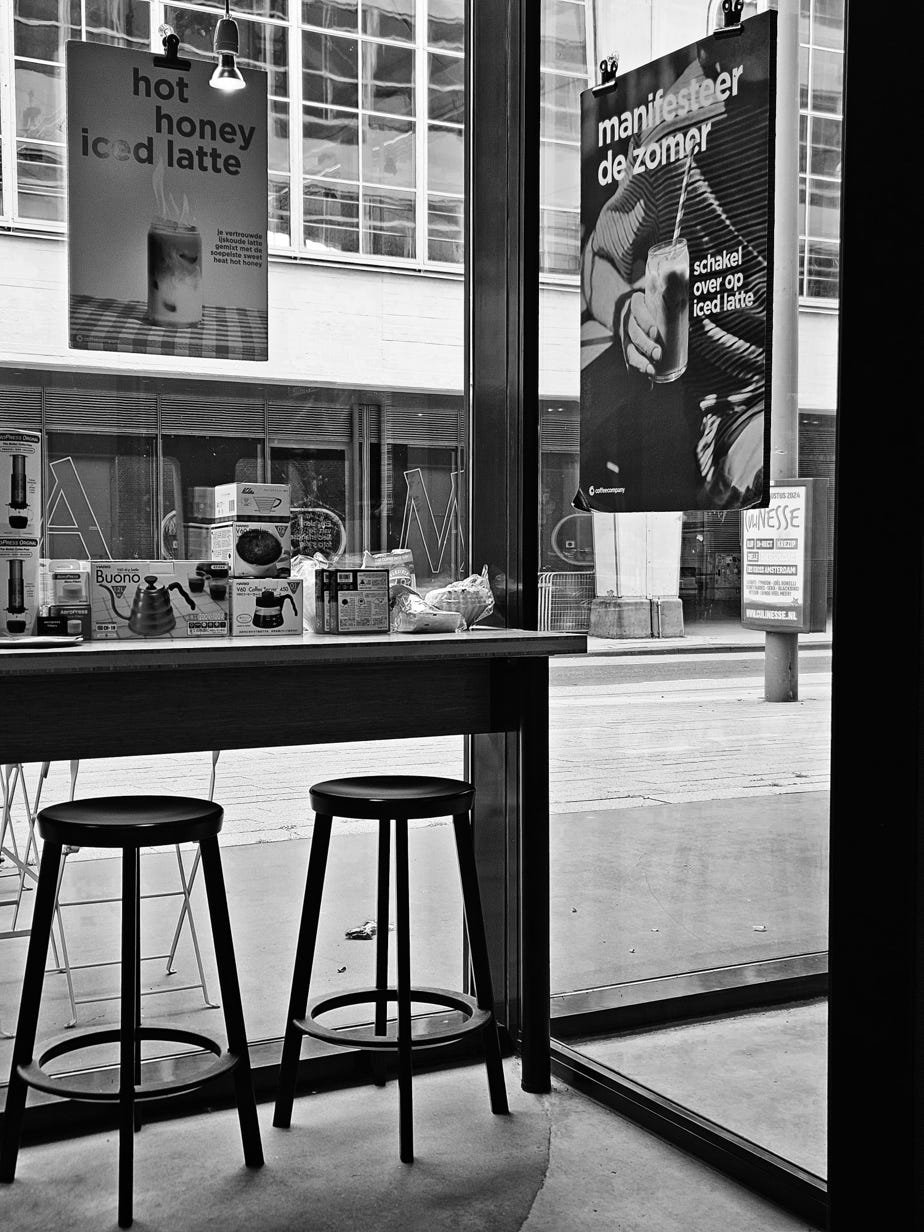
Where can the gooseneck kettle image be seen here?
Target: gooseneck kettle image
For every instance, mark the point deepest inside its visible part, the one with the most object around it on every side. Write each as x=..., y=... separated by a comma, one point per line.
x=268, y=610
x=18, y=499
x=152, y=612
x=15, y=598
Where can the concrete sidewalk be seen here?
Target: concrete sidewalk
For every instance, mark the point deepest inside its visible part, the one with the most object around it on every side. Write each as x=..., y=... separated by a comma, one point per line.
x=702, y=637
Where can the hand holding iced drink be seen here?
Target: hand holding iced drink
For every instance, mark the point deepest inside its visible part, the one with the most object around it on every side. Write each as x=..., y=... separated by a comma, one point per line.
x=667, y=297
x=174, y=273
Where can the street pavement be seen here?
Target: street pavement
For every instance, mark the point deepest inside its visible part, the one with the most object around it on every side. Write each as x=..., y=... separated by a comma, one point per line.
x=631, y=725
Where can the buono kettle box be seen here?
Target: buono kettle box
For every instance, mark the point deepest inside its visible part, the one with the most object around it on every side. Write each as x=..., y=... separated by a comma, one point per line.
x=261, y=606
x=154, y=598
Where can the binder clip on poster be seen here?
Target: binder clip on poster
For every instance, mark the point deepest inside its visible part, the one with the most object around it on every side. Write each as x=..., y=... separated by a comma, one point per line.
x=731, y=19
x=608, y=66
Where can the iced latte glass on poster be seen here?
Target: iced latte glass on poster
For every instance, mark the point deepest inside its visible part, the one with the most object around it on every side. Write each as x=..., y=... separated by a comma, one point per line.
x=174, y=273
x=667, y=297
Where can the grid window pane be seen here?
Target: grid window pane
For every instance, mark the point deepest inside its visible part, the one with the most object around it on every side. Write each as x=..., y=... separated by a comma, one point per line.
x=40, y=172
x=560, y=102
x=827, y=80
x=278, y=135
x=805, y=11
x=121, y=23
x=331, y=217
x=828, y=23
x=253, y=8
x=824, y=209
x=330, y=141
x=446, y=23
x=446, y=241
x=330, y=14
x=563, y=37
x=446, y=160
x=822, y=268
x=559, y=175
x=279, y=212
x=803, y=144
x=559, y=240
x=388, y=79
x=446, y=98
x=40, y=102
x=826, y=146
x=388, y=224
x=389, y=19
x=803, y=77
x=388, y=152
x=330, y=70
x=42, y=27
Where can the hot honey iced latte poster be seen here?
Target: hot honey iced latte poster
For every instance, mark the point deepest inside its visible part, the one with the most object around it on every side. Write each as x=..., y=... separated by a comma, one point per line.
x=676, y=279
x=167, y=207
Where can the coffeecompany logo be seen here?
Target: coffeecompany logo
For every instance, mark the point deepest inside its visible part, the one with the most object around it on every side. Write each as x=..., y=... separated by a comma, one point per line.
x=594, y=491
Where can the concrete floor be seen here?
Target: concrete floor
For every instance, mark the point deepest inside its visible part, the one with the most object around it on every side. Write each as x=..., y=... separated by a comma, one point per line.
x=558, y=1163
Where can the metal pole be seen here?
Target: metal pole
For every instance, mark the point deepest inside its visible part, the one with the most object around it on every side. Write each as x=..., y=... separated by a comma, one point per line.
x=781, y=662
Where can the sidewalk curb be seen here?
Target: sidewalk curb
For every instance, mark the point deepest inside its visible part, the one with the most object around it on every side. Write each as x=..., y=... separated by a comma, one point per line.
x=688, y=646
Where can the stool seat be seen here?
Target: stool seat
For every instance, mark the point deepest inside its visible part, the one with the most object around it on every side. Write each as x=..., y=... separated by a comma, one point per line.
x=391, y=795
x=130, y=821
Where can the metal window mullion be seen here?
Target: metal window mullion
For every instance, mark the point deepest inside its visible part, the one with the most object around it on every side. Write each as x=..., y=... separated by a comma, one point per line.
x=361, y=145
x=296, y=123
x=422, y=120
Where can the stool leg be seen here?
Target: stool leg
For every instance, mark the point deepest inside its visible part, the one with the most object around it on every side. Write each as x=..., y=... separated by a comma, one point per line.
x=128, y=1033
x=301, y=972
x=402, y=921
x=381, y=949
x=481, y=966
x=137, y=966
x=30, y=1002
x=231, y=1001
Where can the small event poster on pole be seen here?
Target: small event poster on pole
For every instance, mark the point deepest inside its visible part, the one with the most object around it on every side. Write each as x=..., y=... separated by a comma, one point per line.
x=677, y=185
x=167, y=207
x=784, y=559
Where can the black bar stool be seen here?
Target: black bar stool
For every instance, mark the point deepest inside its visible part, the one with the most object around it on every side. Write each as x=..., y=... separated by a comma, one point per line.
x=391, y=798
x=130, y=823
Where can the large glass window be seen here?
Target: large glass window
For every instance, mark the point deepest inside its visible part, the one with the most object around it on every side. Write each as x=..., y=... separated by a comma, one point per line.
x=821, y=35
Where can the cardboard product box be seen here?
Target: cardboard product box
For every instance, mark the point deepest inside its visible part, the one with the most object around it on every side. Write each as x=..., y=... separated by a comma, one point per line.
x=262, y=606
x=20, y=481
x=19, y=583
x=155, y=599
x=252, y=502
x=64, y=620
x=352, y=601
x=253, y=549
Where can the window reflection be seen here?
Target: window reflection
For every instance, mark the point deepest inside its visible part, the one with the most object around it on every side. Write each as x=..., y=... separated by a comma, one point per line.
x=330, y=69
x=331, y=143
x=446, y=23
x=389, y=19
x=330, y=14
x=388, y=152
x=388, y=79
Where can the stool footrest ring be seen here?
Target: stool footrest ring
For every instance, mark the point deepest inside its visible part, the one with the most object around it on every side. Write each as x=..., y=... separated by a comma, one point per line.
x=35, y=1076
x=475, y=1018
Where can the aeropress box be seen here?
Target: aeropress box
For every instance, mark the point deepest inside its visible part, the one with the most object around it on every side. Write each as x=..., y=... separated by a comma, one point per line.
x=64, y=605
x=20, y=480
x=155, y=599
x=19, y=583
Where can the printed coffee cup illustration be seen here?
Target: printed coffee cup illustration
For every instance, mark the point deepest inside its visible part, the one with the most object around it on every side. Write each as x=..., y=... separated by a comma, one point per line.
x=259, y=549
x=18, y=498
x=216, y=574
x=268, y=613
x=266, y=504
x=667, y=297
x=152, y=611
x=174, y=273
x=15, y=598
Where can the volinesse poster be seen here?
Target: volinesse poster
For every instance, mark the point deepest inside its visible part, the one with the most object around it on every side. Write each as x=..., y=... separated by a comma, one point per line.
x=167, y=207
x=676, y=272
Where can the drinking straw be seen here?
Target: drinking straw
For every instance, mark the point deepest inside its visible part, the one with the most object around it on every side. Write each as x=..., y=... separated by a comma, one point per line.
x=683, y=196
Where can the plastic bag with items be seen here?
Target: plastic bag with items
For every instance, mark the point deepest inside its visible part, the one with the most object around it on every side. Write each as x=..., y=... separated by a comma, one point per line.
x=412, y=614
x=471, y=597
x=305, y=567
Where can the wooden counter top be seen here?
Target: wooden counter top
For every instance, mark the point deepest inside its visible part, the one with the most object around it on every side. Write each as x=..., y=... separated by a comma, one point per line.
x=281, y=650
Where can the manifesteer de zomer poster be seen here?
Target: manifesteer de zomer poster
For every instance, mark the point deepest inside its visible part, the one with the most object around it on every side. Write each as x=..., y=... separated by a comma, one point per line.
x=676, y=279
x=167, y=207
